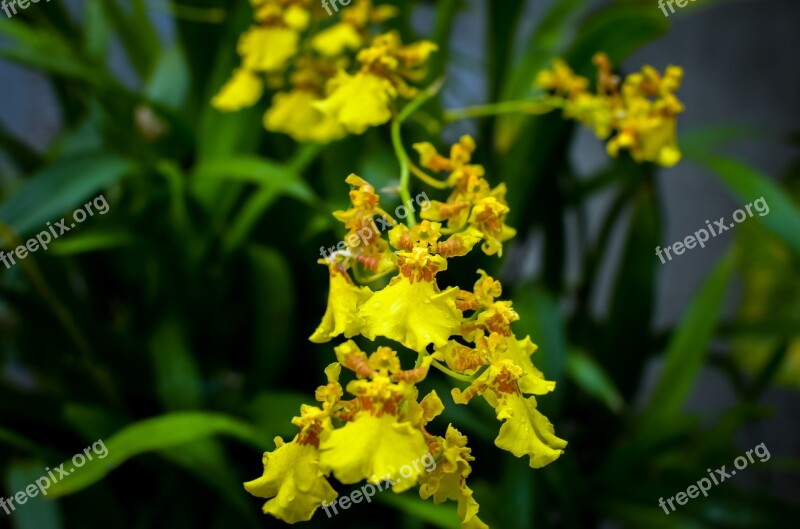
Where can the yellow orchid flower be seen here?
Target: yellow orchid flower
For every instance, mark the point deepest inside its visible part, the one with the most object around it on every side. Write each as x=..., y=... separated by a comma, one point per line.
x=378, y=441
x=639, y=113
x=359, y=101
x=413, y=313
x=525, y=430
x=293, y=113
x=336, y=40
x=242, y=90
x=293, y=482
x=381, y=434
x=344, y=301
x=473, y=202
x=343, y=80
x=448, y=479
x=268, y=49
x=374, y=449
x=365, y=99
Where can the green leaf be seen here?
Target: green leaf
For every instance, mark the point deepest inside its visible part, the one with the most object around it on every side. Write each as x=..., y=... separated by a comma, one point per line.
x=540, y=317
x=93, y=240
x=42, y=49
x=91, y=421
x=702, y=141
x=37, y=512
x=545, y=42
x=97, y=31
x=206, y=459
x=212, y=58
x=158, y=433
x=590, y=377
x=618, y=30
x=273, y=317
x=256, y=170
x=274, y=180
x=11, y=438
x=749, y=185
x=443, y=516
x=272, y=412
x=503, y=22
x=170, y=82
x=136, y=32
x=178, y=379
x=688, y=347
x=66, y=185
x=623, y=349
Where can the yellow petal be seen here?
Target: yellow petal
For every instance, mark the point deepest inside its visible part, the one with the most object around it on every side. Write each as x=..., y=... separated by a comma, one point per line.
x=336, y=40
x=267, y=49
x=414, y=314
x=292, y=482
x=374, y=448
x=359, y=101
x=242, y=90
x=296, y=17
x=526, y=431
x=293, y=113
x=532, y=381
x=447, y=481
x=342, y=315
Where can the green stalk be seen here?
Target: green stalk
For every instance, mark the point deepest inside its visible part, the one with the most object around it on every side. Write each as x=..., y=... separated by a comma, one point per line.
x=397, y=142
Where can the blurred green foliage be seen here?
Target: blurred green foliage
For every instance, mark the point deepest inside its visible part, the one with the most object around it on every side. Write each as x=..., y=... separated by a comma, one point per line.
x=175, y=327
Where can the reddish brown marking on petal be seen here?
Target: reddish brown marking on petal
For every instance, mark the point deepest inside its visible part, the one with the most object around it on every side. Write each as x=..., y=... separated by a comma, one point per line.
x=310, y=435
x=463, y=305
x=405, y=243
x=411, y=375
x=451, y=210
x=370, y=262
x=466, y=359
x=506, y=382
x=497, y=323
x=453, y=247
x=357, y=362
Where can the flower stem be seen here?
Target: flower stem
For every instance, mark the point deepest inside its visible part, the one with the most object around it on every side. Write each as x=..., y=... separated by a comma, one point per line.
x=450, y=372
x=402, y=157
x=542, y=106
x=397, y=142
x=431, y=181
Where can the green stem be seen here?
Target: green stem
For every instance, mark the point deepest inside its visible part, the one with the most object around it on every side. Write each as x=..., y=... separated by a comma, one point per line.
x=397, y=142
x=542, y=106
x=450, y=372
x=431, y=181
x=420, y=357
x=402, y=157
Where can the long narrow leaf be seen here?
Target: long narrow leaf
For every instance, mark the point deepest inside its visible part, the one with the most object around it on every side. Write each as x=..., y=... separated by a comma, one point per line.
x=688, y=348
x=158, y=433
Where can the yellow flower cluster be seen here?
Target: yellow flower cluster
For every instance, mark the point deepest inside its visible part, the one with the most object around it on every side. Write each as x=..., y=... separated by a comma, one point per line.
x=464, y=333
x=640, y=112
x=340, y=79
